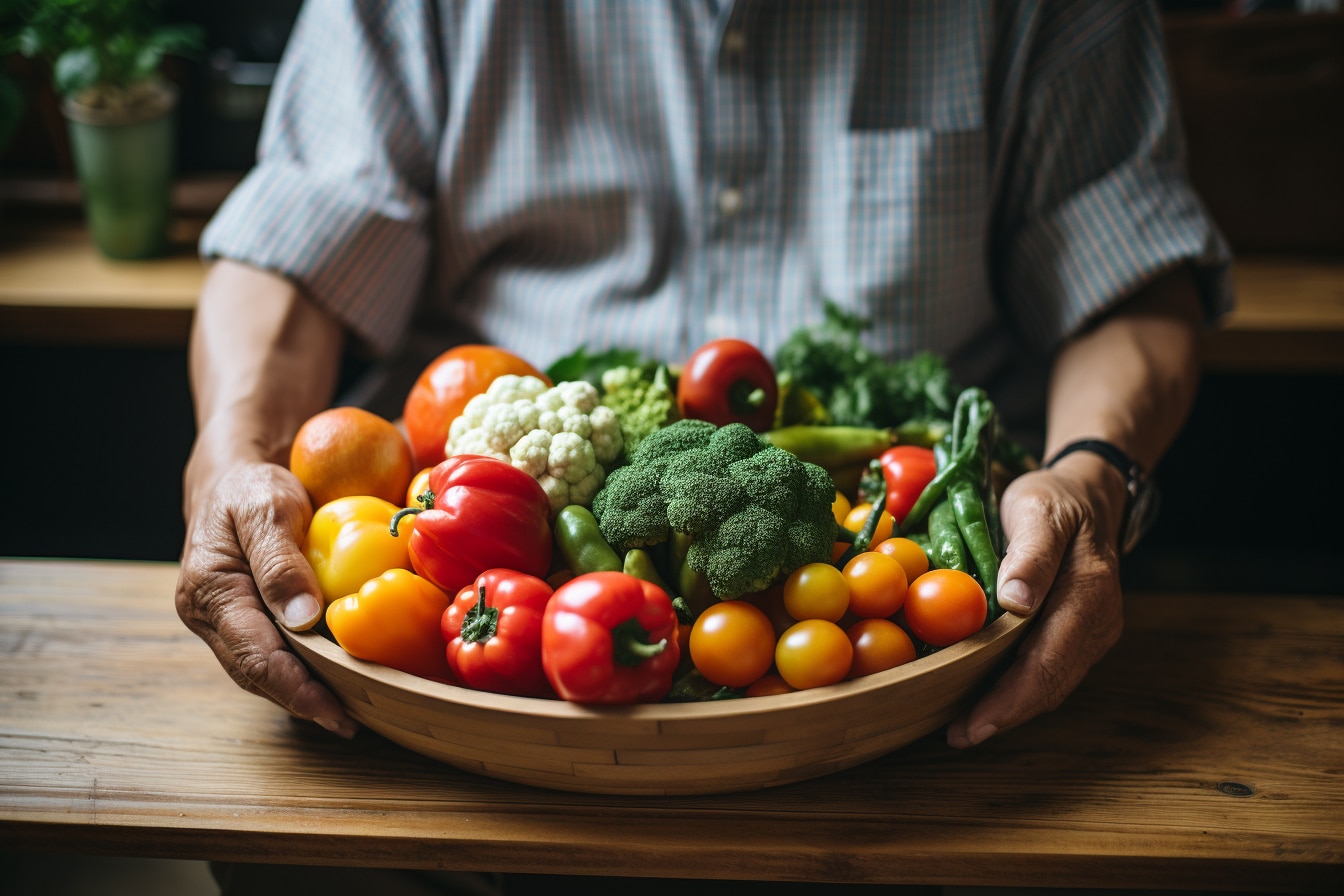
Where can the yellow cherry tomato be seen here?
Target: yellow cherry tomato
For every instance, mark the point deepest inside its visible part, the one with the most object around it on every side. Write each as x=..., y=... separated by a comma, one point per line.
x=813, y=653
x=816, y=591
x=858, y=515
x=840, y=507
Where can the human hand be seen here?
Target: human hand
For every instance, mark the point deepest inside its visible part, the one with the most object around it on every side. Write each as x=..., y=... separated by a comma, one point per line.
x=1062, y=564
x=242, y=566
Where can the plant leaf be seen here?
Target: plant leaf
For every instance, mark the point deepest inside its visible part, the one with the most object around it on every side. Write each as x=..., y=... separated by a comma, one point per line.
x=75, y=70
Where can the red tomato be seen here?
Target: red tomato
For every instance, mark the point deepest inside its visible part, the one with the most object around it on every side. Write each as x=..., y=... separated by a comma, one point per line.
x=907, y=469
x=729, y=381
x=732, y=643
x=879, y=644
x=813, y=653
x=945, y=605
x=877, y=584
x=445, y=386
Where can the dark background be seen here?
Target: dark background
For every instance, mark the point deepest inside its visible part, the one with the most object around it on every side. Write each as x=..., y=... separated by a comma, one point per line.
x=96, y=436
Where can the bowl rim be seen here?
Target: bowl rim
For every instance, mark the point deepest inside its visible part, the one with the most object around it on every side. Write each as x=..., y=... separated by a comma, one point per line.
x=314, y=642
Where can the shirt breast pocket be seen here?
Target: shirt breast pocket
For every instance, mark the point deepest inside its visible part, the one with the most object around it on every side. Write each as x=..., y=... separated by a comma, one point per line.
x=917, y=203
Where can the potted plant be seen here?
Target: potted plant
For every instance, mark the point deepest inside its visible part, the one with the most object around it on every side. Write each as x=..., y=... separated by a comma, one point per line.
x=105, y=58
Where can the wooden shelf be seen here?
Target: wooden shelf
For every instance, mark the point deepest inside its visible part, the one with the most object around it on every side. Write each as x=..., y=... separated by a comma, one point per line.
x=55, y=287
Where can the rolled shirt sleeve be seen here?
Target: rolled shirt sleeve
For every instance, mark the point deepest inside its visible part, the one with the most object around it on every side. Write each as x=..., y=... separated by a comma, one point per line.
x=340, y=200
x=1096, y=199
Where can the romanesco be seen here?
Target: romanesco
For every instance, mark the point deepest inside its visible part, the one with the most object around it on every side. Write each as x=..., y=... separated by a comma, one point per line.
x=561, y=435
x=754, y=512
x=643, y=401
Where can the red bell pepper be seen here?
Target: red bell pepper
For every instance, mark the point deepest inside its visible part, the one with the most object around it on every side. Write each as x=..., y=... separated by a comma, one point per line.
x=907, y=469
x=493, y=630
x=610, y=638
x=480, y=513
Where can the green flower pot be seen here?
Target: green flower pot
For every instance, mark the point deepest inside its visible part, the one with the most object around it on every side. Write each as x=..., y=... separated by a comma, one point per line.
x=126, y=165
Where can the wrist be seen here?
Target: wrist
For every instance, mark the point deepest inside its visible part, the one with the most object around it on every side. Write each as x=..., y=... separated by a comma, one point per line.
x=1115, y=480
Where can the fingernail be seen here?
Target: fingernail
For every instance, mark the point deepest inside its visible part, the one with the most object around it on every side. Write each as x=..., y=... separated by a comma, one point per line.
x=1015, y=594
x=300, y=611
x=335, y=727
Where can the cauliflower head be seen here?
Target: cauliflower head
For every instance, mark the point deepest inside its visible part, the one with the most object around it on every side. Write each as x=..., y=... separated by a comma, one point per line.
x=561, y=435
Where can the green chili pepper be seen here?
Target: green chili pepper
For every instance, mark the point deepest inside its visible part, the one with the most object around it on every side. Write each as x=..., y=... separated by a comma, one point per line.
x=639, y=563
x=863, y=540
x=581, y=542
x=974, y=526
x=947, y=549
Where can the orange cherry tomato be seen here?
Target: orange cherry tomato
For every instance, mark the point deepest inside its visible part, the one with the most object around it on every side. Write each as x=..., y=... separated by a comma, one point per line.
x=944, y=606
x=879, y=644
x=910, y=555
x=732, y=643
x=769, y=685
x=877, y=584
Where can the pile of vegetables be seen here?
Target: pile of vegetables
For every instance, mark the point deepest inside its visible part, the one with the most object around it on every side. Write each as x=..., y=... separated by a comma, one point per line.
x=619, y=530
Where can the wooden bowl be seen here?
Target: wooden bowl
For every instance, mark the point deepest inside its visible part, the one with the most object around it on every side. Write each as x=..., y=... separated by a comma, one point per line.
x=666, y=748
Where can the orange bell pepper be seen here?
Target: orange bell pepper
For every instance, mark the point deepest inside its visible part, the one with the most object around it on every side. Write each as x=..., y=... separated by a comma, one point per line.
x=350, y=541
x=394, y=620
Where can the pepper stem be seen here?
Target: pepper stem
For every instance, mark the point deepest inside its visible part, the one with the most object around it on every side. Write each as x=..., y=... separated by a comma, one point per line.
x=630, y=644
x=396, y=517
x=480, y=622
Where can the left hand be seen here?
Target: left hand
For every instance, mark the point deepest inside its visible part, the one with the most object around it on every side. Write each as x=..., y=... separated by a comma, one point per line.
x=1062, y=564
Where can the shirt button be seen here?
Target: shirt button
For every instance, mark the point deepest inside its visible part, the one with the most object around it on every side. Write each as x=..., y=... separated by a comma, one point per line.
x=730, y=202
x=734, y=42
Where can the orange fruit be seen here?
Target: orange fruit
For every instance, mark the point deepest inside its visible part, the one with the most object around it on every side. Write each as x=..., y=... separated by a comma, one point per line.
x=350, y=451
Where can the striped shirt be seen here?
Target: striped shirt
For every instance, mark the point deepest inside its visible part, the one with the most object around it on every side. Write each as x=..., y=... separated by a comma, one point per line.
x=978, y=179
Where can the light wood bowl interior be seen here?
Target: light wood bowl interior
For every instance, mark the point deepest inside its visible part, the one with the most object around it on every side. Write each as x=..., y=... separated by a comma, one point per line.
x=667, y=748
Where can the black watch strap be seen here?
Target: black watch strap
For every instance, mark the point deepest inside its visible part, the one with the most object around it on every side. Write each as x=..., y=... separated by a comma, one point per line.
x=1144, y=499
x=1128, y=467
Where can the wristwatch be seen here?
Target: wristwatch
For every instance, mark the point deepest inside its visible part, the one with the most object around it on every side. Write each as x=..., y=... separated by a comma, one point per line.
x=1145, y=499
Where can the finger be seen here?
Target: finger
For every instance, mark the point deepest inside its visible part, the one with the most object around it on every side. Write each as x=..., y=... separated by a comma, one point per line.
x=1038, y=528
x=218, y=597
x=1079, y=623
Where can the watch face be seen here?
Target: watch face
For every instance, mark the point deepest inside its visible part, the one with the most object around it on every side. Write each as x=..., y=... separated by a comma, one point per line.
x=1142, y=514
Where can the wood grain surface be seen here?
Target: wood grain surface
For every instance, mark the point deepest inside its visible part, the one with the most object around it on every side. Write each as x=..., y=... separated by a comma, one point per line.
x=1205, y=752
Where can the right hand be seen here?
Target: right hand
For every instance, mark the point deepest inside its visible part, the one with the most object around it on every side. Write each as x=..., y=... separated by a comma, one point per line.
x=241, y=572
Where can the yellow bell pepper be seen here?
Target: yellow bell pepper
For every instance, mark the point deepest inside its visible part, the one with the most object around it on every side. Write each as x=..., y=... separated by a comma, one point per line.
x=350, y=541
x=395, y=619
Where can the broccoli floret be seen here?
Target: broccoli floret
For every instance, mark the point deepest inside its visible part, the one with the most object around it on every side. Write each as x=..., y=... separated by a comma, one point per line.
x=754, y=512
x=643, y=402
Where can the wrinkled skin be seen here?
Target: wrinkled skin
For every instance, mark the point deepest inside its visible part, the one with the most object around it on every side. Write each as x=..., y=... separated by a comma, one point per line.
x=1061, y=563
x=241, y=564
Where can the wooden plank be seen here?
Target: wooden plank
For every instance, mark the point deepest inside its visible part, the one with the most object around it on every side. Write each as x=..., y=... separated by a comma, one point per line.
x=120, y=734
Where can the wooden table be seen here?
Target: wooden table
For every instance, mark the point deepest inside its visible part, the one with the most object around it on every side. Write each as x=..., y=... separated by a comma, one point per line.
x=1204, y=752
